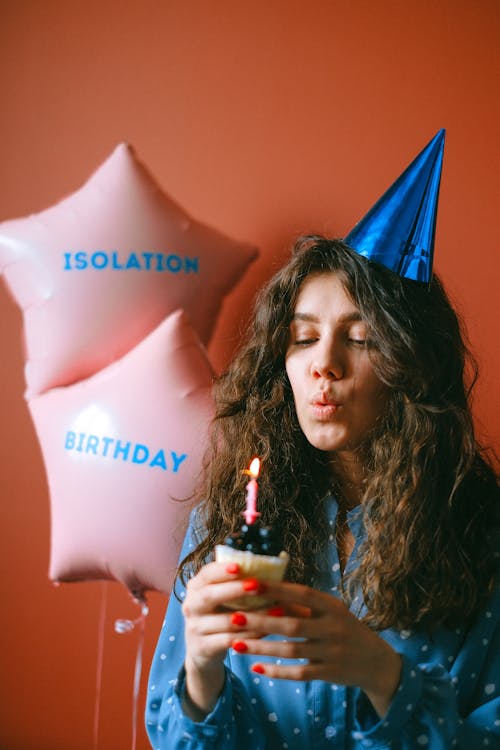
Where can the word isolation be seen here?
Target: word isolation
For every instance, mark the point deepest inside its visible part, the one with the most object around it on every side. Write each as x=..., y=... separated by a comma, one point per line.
x=118, y=450
x=139, y=261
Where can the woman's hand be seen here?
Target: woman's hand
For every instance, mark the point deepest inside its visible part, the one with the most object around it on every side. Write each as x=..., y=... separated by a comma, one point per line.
x=335, y=645
x=210, y=630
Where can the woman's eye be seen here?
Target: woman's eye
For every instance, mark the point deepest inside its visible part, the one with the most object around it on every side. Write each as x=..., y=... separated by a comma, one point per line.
x=302, y=336
x=304, y=341
x=360, y=343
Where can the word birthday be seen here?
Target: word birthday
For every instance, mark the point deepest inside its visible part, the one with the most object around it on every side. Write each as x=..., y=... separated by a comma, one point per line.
x=101, y=259
x=137, y=453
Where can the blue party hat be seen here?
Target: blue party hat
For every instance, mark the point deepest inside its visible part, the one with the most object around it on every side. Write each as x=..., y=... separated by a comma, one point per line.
x=398, y=231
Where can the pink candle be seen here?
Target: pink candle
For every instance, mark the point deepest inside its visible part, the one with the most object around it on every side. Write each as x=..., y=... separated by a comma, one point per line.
x=251, y=513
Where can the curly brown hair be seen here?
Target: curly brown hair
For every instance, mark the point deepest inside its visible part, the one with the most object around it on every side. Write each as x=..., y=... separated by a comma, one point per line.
x=430, y=500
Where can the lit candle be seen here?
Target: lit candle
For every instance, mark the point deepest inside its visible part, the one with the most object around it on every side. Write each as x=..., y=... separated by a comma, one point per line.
x=250, y=513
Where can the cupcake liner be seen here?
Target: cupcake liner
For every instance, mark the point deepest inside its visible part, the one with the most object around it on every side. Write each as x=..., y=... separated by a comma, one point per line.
x=262, y=567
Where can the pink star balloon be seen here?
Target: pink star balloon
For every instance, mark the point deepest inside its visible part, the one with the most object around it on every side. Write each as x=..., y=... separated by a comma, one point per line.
x=98, y=271
x=122, y=451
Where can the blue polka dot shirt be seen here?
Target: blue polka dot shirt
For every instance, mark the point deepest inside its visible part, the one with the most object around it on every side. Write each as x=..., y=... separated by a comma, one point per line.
x=448, y=696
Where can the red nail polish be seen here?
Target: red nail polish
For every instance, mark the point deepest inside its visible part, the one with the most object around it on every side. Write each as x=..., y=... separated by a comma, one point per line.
x=258, y=668
x=232, y=568
x=239, y=619
x=240, y=647
x=276, y=611
x=251, y=584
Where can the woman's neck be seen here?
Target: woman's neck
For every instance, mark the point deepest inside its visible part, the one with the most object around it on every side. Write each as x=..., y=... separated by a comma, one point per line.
x=349, y=474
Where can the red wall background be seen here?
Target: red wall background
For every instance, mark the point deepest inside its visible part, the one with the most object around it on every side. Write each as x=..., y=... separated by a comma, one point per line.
x=265, y=119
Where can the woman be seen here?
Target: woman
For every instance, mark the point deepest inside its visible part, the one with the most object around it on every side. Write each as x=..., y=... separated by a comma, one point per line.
x=386, y=633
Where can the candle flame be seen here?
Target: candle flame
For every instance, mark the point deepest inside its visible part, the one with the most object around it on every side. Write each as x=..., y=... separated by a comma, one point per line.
x=254, y=468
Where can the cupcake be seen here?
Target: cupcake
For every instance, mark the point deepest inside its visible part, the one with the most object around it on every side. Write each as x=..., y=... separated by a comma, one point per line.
x=256, y=550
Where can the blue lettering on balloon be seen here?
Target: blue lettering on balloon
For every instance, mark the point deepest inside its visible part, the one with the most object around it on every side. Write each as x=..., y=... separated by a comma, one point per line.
x=177, y=460
x=92, y=444
x=109, y=448
x=81, y=261
x=121, y=449
x=174, y=263
x=159, y=460
x=116, y=263
x=140, y=454
x=99, y=260
x=133, y=262
x=70, y=440
x=107, y=442
x=191, y=265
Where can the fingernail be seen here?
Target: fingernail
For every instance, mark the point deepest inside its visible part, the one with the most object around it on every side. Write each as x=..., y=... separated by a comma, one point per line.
x=232, y=568
x=252, y=584
x=276, y=611
x=240, y=647
x=238, y=618
x=258, y=668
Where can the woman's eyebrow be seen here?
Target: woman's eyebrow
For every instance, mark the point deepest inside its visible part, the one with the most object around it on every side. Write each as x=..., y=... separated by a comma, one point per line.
x=308, y=317
x=351, y=317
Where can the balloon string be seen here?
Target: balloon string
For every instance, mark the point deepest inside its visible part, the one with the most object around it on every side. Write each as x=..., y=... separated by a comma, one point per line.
x=100, y=660
x=125, y=626
x=137, y=674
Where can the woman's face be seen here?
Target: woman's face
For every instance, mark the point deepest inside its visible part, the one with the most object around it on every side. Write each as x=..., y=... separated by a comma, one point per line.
x=338, y=397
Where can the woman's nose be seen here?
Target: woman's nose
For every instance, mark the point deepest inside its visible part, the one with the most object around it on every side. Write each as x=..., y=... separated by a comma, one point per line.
x=327, y=363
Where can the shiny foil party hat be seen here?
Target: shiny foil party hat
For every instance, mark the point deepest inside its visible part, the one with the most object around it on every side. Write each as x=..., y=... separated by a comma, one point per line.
x=398, y=231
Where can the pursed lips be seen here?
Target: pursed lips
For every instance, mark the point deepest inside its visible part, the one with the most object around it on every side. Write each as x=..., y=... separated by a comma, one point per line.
x=324, y=405
x=324, y=399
